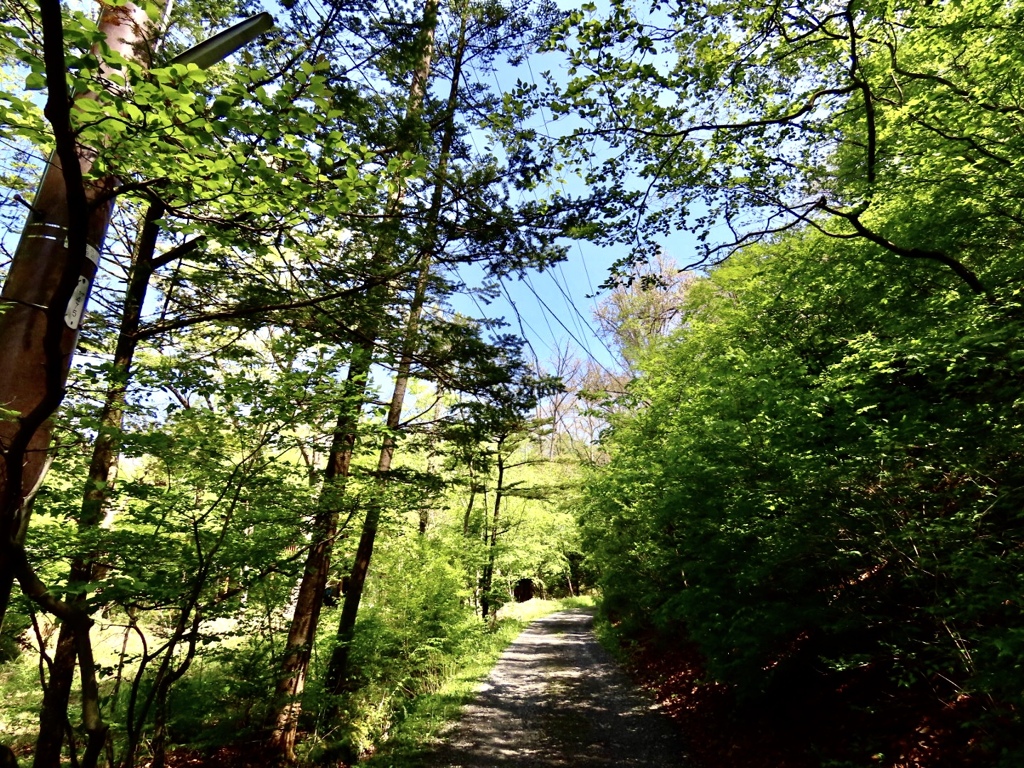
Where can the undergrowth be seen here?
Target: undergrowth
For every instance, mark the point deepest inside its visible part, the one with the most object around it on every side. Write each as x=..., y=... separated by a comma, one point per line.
x=415, y=668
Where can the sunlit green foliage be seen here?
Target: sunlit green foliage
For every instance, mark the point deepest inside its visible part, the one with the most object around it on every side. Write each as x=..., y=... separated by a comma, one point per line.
x=824, y=474
x=737, y=120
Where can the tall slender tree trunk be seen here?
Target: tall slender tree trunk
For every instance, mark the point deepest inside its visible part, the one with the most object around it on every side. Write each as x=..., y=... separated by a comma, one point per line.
x=357, y=579
x=309, y=602
x=467, y=517
x=97, y=490
x=487, y=579
x=338, y=669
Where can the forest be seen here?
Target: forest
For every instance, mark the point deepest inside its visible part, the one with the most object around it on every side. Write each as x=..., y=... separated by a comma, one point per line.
x=276, y=487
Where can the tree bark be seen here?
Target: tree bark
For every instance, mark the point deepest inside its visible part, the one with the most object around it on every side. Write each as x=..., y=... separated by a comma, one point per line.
x=487, y=578
x=469, y=507
x=46, y=292
x=302, y=631
x=49, y=280
x=309, y=602
x=337, y=672
x=97, y=489
x=338, y=667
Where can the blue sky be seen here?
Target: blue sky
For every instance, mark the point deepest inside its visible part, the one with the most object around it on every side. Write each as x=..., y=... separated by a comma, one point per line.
x=554, y=308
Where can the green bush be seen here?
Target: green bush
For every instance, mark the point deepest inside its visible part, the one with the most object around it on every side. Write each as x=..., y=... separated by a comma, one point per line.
x=825, y=475
x=14, y=627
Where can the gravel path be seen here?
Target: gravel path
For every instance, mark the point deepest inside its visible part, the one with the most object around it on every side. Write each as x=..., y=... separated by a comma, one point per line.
x=556, y=698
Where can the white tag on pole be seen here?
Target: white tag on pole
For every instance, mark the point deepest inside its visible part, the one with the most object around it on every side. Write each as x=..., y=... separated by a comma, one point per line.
x=76, y=307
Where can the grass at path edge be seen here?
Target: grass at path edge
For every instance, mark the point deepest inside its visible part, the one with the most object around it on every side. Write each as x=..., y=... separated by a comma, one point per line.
x=426, y=716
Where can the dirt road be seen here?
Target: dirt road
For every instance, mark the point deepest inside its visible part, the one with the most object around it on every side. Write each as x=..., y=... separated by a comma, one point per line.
x=556, y=698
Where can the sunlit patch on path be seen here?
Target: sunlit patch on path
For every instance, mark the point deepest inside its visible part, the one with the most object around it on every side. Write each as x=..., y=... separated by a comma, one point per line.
x=556, y=698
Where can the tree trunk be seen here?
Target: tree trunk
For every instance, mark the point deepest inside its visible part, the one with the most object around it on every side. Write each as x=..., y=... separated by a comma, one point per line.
x=338, y=668
x=52, y=270
x=97, y=489
x=469, y=507
x=47, y=272
x=188, y=622
x=339, y=657
x=492, y=539
x=53, y=716
x=302, y=631
x=161, y=713
x=92, y=718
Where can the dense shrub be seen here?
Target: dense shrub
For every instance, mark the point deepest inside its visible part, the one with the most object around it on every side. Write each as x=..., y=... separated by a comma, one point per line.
x=825, y=474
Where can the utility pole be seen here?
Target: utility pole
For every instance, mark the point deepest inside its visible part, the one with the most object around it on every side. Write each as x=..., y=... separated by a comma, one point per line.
x=43, y=300
x=44, y=297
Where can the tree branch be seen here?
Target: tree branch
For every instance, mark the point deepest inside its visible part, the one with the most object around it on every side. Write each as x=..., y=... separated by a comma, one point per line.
x=239, y=312
x=958, y=268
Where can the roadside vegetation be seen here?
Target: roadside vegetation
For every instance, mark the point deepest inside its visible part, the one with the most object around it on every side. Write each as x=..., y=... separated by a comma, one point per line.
x=297, y=477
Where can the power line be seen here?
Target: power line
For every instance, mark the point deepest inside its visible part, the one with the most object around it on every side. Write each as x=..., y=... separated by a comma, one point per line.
x=578, y=321
x=522, y=322
x=527, y=283
x=583, y=261
x=589, y=327
x=582, y=324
